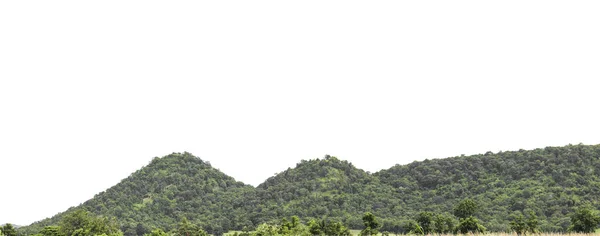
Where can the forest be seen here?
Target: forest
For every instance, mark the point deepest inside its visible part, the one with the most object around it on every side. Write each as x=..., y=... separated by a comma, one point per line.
x=552, y=189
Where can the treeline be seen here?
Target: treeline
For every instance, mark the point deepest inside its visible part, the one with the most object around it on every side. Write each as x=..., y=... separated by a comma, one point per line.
x=84, y=223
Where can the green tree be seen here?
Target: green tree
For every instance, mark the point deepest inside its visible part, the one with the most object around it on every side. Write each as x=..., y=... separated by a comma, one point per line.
x=185, y=228
x=412, y=227
x=157, y=232
x=426, y=221
x=532, y=223
x=266, y=230
x=83, y=223
x=470, y=225
x=336, y=229
x=518, y=225
x=9, y=230
x=316, y=227
x=584, y=220
x=51, y=231
x=465, y=208
x=443, y=224
x=371, y=224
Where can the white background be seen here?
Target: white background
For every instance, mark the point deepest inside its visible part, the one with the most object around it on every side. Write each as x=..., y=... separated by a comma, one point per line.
x=90, y=91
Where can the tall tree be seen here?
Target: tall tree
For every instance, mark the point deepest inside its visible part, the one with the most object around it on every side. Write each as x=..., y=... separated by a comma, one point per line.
x=371, y=224
x=9, y=230
x=470, y=225
x=425, y=220
x=584, y=220
x=465, y=208
x=518, y=224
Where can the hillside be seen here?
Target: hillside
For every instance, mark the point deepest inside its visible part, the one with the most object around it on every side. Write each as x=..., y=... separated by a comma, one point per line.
x=165, y=191
x=549, y=181
x=324, y=187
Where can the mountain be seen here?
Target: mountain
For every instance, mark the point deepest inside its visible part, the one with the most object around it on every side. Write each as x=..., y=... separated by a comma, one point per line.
x=165, y=191
x=549, y=181
x=324, y=187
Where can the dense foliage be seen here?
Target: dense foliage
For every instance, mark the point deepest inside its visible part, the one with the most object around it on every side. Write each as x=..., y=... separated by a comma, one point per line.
x=169, y=189
x=548, y=184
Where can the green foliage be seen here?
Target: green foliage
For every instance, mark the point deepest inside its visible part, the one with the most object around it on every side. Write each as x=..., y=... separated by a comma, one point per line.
x=466, y=208
x=426, y=221
x=412, y=227
x=84, y=223
x=532, y=223
x=316, y=227
x=325, y=227
x=51, y=231
x=157, y=232
x=266, y=230
x=443, y=224
x=9, y=230
x=371, y=224
x=470, y=225
x=186, y=228
x=518, y=225
x=584, y=220
x=547, y=181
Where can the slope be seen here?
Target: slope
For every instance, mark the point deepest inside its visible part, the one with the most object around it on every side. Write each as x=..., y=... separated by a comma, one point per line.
x=325, y=187
x=549, y=181
x=168, y=189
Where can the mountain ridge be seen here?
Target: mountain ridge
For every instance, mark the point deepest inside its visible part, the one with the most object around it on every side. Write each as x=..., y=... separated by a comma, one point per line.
x=504, y=183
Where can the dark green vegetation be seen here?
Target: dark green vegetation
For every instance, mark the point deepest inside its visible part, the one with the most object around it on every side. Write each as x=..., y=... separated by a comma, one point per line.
x=548, y=184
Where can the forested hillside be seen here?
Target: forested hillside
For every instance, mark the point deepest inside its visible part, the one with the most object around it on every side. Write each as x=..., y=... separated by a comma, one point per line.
x=325, y=187
x=549, y=182
x=165, y=191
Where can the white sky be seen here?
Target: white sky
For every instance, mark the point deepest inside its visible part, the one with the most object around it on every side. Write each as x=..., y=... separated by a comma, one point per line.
x=90, y=91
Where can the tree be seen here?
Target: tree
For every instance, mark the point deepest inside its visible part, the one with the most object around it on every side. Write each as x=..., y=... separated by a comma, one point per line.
x=518, y=225
x=443, y=224
x=157, y=232
x=425, y=220
x=465, y=208
x=584, y=220
x=51, y=231
x=266, y=230
x=185, y=228
x=371, y=224
x=82, y=222
x=316, y=228
x=532, y=223
x=9, y=230
x=413, y=227
x=337, y=229
x=470, y=225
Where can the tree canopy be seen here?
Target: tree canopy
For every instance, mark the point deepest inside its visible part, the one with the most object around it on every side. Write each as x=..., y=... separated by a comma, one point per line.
x=548, y=182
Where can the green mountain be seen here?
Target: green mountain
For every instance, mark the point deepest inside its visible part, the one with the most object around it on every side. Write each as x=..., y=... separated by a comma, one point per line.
x=324, y=187
x=165, y=191
x=549, y=182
